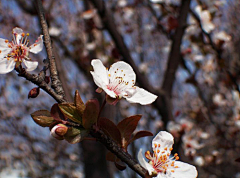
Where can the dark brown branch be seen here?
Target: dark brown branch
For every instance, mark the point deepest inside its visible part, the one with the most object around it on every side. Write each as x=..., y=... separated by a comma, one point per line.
x=162, y=104
x=28, y=8
x=119, y=152
x=175, y=53
x=39, y=81
x=56, y=83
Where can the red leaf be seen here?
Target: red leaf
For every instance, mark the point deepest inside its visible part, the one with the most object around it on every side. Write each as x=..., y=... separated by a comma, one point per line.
x=140, y=134
x=90, y=113
x=110, y=129
x=127, y=127
x=56, y=113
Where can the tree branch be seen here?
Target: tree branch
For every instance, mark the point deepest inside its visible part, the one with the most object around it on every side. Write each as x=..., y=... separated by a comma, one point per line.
x=175, y=54
x=118, y=151
x=56, y=83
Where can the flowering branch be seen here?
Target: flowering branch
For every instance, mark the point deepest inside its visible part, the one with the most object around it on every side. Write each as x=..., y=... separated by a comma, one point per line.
x=39, y=81
x=162, y=104
x=56, y=83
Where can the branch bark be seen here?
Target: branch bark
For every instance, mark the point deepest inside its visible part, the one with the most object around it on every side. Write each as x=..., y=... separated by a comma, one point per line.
x=56, y=83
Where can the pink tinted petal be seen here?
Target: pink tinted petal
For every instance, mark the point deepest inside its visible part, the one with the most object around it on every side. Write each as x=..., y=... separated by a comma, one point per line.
x=144, y=163
x=99, y=74
x=142, y=97
x=38, y=46
x=6, y=65
x=123, y=70
x=110, y=93
x=184, y=170
x=165, y=140
x=18, y=32
x=30, y=65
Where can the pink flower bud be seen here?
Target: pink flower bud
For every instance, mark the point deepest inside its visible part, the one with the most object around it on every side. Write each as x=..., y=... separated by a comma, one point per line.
x=58, y=131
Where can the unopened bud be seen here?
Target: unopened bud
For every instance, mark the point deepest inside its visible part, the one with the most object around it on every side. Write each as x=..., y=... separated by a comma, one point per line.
x=33, y=93
x=58, y=131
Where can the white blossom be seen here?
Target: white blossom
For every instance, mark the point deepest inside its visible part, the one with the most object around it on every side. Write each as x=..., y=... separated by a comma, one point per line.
x=161, y=164
x=118, y=82
x=17, y=51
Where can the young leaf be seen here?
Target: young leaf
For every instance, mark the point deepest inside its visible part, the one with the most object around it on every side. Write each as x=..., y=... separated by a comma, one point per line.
x=127, y=126
x=70, y=111
x=110, y=129
x=56, y=113
x=90, y=113
x=79, y=103
x=42, y=118
x=140, y=134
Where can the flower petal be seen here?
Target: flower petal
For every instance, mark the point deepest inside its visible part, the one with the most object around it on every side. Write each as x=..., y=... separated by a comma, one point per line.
x=38, y=46
x=31, y=65
x=184, y=170
x=18, y=33
x=6, y=65
x=144, y=163
x=142, y=96
x=124, y=71
x=3, y=44
x=99, y=74
x=165, y=140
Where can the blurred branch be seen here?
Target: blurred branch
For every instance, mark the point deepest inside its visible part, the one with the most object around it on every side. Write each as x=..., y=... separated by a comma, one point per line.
x=56, y=83
x=162, y=104
x=27, y=7
x=175, y=53
x=217, y=49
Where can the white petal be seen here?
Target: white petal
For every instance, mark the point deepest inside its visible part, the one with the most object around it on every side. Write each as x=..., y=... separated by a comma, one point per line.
x=4, y=52
x=31, y=65
x=38, y=46
x=99, y=74
x=3, y=44
x=142, y=96
x=18, y=32
x=165, y=140
x=110, y=92
x=6, y=65
x=184, y=170
x=123, y=70
x=144, y=163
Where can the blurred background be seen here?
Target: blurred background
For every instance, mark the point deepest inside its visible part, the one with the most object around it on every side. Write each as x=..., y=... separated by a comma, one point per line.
x=186, y=52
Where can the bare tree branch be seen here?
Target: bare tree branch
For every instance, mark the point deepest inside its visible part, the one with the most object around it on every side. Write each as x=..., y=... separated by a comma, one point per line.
x=56, y=83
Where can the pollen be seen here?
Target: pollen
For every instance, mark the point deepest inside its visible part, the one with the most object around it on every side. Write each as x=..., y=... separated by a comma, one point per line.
x=6, y=41
x=172, y=170
x=23, y=34
x=165, y=148
x=35, y=45
x=0, y=51
x=170, y=149
x=27, y=34
x=109, y=75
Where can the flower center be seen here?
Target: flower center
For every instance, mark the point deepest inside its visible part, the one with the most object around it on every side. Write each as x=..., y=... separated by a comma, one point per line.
x=161, y=160
x=18, y=53
x=119, y=85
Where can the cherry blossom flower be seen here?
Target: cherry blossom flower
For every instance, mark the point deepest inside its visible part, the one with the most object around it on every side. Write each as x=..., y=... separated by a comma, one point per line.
x=118, y=82
x=14, y=53
x=161, y=164
x=205, y=18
